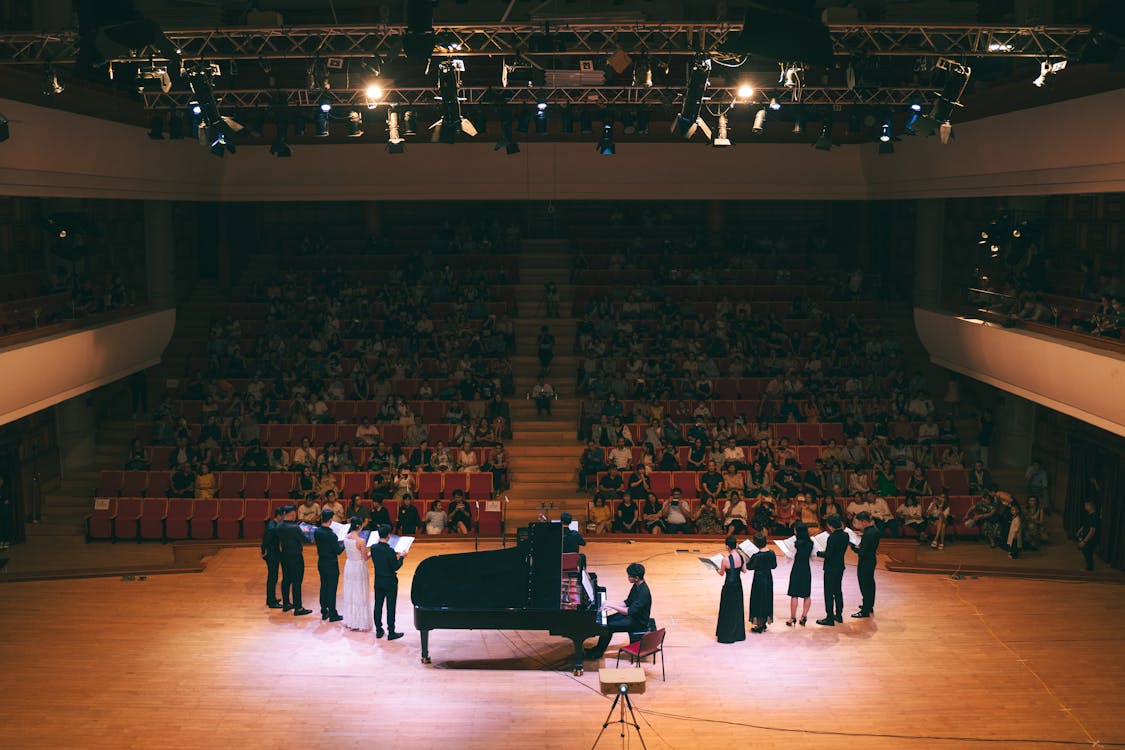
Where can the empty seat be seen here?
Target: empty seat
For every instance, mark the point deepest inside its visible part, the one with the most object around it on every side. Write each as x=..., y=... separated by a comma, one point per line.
x=454, y=480
x=231, y=484
x=151, y=520
x=99, y=523
x=280, y=485
x=203, y=516
x=809, y=433
x=429, y=485
x=256, y=484
x=134, y=483
x=354, y=483
x=687, y=481
x=957, y=480
x=125, y=520
x=229, y=523
x=256, y=512
x=660, y=482
x=177, y=518
x=480, y=485
x=110, y=483
x=159, y=483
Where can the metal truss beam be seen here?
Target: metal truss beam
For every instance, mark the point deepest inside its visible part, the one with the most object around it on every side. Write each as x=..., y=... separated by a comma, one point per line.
x=822, y=96
x=304, y=42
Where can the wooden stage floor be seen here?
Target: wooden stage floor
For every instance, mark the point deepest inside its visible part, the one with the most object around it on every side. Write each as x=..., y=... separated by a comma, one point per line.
x=196, y=661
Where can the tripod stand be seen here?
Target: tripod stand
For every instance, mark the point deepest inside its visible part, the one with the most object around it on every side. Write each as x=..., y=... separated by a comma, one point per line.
x=621, y=705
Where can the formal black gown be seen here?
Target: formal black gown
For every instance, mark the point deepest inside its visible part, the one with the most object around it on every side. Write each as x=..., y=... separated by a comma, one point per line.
x=761, y=589
x=731, y=627
x=800, y=577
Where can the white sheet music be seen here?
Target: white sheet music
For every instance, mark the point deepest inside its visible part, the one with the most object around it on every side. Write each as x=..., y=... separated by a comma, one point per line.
x=748, y=548
x=341, y=530
x=853, y=536
x=788, y=546
x=820, y=541
x=400, y=544
x=715, y=561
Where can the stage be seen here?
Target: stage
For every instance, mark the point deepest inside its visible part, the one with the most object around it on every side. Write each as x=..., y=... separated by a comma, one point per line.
x=197, y=661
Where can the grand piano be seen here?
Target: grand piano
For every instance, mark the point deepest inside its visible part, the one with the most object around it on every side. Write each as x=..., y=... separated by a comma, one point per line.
x=520, y=588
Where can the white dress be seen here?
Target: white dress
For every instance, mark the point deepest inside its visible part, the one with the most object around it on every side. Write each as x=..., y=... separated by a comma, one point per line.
x=358, y=610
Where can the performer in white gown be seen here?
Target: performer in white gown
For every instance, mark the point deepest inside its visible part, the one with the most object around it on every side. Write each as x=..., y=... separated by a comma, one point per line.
x=357, y=610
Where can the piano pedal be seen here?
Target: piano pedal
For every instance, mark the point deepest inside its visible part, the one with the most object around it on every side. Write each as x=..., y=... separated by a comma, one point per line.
x=425, y=660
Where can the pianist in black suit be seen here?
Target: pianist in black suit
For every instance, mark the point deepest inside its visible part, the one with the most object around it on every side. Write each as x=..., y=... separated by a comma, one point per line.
x=630, y=616
x=271, y=553
x=292, y=542
x=865, y=568
x=386, y=562
x=572, y=540
x=328, y=549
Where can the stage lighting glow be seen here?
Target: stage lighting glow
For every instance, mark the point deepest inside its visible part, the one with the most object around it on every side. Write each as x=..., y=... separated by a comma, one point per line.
x=326, y=107
x=745, y=91
x=196, y=109
x=374, y=93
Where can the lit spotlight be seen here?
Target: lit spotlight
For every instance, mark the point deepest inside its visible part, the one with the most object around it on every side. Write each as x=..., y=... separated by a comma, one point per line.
x=51, y=85
x=374, y=94
x=642, y=72
x=745, y=91
x=1047, y=71
x=325, y=106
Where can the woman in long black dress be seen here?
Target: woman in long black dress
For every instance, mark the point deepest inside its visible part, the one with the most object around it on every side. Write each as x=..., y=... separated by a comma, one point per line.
x=731, y=627
x=761, y=589
x=800, y=577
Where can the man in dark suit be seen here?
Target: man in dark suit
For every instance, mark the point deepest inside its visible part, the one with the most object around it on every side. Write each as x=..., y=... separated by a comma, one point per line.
x=271, y=553
x=386, y=562
x=630, y=616
x=328, y=549
x=833, y=556
x=572, y=540
x=865, y=568
x=292, y=541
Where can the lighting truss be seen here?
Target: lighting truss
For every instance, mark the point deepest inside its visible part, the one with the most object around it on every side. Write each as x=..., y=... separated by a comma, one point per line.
x=305, y=42
x=577, y=95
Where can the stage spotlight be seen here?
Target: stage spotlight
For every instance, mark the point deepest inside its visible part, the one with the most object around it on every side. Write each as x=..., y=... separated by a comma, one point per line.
x=722, y=137
x=689, y=120
x=824, y=140
x=213, y=129
x=1047, y=71
x=408, y=120
x=395, y=141
x=606, y=146
x=799, y=121
x=355, y=124
x=51, y=85
x=507, y=139
x=196, y=109
x=374, y=94
x=759, y=127
x=325, y=106
x=585, y=122
x=541, y=120
x=745, y=92
x=956, y=79
x=541, y=105
x=156, y=127
x=449, y=93
x=642, y=71
x=322, y=129
x=175, y=125
x=567, y=119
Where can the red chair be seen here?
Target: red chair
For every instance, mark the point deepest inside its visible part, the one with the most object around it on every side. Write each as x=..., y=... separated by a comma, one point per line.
x=661, y=483
x=324, y=433
x=281, y=484
x=229, y=523
x=355, y=483
x=231, y=484
x=687, y=481
x=809, y=433
x=454, y=480
x=125, y=519
x=176, y=519
x=807, y=455
x=650, y=644
x=203, y=516
x=275, y=434
x=133, y=484
x=110, y=483
x=832, y=431
x=787, y=430
x=489, y=522
x=392, y=433
x=151, y=521
x=99, y=523
x=159, y=483
x=257, y=512
x=257, y=484
x=429, y=485
x=480, y=485
x=957, y=480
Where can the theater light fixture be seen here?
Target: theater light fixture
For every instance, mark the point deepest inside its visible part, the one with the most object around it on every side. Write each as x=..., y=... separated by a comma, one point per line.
x=395, y=141
x=759, y=127
x=374, y=94
x=51, y=85
x=745, y=92
x=214, y=129
x=355, y=124
x=722, y=136
x=449, y=94
x=1047, y=71
x=280, y=147
x=606, y=146
x=938, y=120
x=642, y=71
x=688, y=121
x=824, y=140
x=507, y=139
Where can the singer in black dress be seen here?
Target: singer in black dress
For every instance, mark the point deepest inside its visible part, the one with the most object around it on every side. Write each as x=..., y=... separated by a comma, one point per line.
x=731, y=627
x=761, y=589
x=800, y=576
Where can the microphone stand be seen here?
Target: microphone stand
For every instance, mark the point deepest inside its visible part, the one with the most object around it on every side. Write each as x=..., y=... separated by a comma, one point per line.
x=504, y=525
x=476, y=528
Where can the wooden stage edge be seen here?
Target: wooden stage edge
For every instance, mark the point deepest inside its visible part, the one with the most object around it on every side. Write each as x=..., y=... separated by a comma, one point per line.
x=901, y=554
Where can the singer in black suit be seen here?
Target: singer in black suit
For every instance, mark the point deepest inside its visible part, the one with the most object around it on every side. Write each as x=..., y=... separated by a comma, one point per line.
x=271, y=553
x=386, y=562
x=865, y=568
x=833, y=556
x=292, y=541
x=328, y=549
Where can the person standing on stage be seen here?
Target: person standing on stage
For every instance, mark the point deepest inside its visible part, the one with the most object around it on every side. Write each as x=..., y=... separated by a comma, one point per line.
x=1088, y=533
x=865, y=568
x=800, y=576
x=291, y=540
x=731, y=627
x=630, y=616
x=387, y=563
x=271, y=553
x=762, y=563
x=358, y=610
x=833, y=556
x=328, y=549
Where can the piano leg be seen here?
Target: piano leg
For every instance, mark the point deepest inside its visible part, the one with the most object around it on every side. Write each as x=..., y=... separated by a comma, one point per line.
x=425, y=646
x=579, y=656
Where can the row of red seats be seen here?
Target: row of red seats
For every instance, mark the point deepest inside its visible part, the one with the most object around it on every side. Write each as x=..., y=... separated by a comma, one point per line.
x=662, y=482
x=159, y=455
x=959, y=506
x=807, y=455
x=321, y=434
x=797, y=433
x=137, y=518
x=431, y=485
x=432, y=412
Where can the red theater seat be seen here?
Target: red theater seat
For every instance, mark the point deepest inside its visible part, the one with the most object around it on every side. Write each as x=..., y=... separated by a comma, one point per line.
x=110, y=483
x=454, y=480
x=281, y=484
x=134, y=483
x=99, y=523
x=125, y=520
x=231, y=484
x=203, y=516
x=257, y=511
x=257, y=484
x=176, y=522
x=151, y=522
x=229, y=524
x=480, y=485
